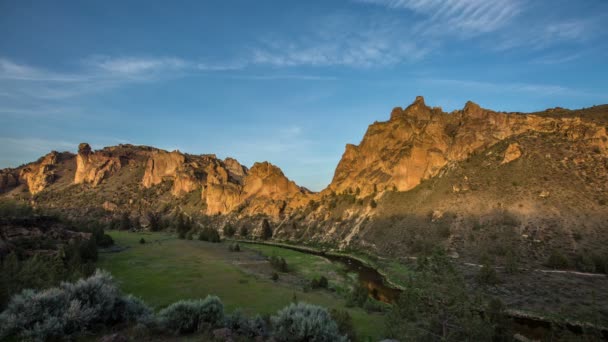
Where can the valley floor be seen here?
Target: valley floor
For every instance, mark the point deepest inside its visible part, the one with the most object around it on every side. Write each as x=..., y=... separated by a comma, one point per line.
x=166, y=269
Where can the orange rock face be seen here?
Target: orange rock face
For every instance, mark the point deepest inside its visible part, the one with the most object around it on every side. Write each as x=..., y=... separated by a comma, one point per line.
x=417, y=142
x=225, y=185
x=41, y=174
x=512, y=153
x=94, y=167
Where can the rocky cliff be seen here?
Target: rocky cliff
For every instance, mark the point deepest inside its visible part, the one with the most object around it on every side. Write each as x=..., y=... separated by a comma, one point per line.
x=422, y=178
x=94, y=167
x=419, y=141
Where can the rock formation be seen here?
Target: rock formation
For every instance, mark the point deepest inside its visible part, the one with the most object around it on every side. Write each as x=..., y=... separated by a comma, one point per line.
x=8, y=180
x=41, y=174
x=419, y=141
x=94, y=167
x=512, y=153
x=225, y=185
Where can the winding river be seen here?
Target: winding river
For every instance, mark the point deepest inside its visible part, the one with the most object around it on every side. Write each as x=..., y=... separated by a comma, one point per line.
x=370, y=278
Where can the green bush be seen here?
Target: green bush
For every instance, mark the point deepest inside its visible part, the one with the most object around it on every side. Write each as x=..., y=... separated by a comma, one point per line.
x=279, y=264
x=70, y=309
x=234, y=247
x=142, y=241
x=344, y=322
x=487, y=275
x=303, y=322
x=188, y=316
x=239, y=324
x=584, y=262
x=244, y=232
x=266, y=230
x=557, y=261
x=209, y=234
x=320, y=282
x=357, y=296
x=229, y=230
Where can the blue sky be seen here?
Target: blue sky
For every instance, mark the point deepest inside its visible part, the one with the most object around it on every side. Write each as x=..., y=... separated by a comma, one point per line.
x=286, y=81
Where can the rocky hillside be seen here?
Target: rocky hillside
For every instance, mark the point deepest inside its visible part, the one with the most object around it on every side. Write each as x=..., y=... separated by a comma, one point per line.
x=418, y=142
x=135, y=179
x=475, y=181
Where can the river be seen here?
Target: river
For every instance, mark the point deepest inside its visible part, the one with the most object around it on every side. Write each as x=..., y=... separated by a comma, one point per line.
x=378, y=288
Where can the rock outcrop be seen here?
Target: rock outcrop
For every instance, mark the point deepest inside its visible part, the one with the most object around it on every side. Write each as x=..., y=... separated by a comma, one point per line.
x=41, y=174
x=9, y=179
x=512, y=153
x=225, y=185
x=264, y=190
x=267, y=180
x=419, y=141
x=172, y=166
x=94, y=167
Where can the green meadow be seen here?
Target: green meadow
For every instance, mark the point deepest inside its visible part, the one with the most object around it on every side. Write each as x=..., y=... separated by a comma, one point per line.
x=166, y=269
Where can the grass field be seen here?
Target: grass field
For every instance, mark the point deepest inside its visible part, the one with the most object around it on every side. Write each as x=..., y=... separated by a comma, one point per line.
x=166, y=269
x=310, y=266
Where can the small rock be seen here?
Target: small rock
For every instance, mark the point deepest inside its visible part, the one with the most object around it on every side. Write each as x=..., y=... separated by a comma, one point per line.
x=512, y=153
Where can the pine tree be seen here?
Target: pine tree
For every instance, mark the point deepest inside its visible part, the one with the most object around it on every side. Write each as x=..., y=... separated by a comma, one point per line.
x=266, y=230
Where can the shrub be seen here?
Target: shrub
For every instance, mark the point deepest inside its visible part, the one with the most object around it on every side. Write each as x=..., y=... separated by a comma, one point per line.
x=105, y=241
x=209, y=234
x=487, y=275
x=344, y=322
x=244, y=232
x=357, y=296
x=305, y=322
x=142, y=241
x=279, y=264
x=584, y=262
x=321, y=282
x=154, y=221
x=125, y=221
x=183, y=225
x=239, y=324
x=266, y=230
x=69, y=309
x=229, y=230
x=188, y=316
x=373, y=203
x=274, y=276
x=557, y=260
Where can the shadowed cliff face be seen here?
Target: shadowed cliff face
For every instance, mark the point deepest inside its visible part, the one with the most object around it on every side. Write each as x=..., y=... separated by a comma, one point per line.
x=419, y=141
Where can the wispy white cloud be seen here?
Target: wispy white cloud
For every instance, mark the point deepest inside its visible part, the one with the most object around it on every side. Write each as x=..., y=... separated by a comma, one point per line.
x=466, y=17
x=135, y=65
x=341, y=40
x=541, y=35
x=96, y=74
